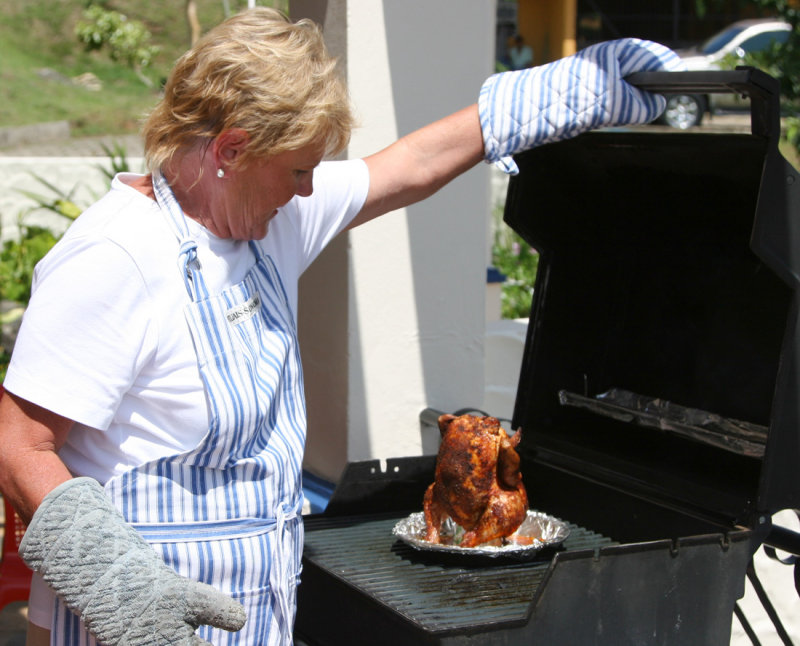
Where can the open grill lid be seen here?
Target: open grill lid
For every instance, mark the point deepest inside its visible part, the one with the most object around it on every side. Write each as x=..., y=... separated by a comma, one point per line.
x=663, y=344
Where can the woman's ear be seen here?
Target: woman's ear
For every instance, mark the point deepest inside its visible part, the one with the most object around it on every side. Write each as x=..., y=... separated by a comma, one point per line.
x=228, y=147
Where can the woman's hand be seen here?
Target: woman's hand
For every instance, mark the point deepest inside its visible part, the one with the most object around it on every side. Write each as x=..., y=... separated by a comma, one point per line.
x=108, y=575
x=523, y=109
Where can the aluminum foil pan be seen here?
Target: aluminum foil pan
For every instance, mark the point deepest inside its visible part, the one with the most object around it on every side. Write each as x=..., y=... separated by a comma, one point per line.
x=537, y=531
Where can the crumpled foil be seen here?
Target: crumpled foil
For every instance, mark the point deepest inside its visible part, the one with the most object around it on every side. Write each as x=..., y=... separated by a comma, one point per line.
x=537, y=531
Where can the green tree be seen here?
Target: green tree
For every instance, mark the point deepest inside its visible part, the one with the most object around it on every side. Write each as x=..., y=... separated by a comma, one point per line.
x=781, y=60
x=127, y=41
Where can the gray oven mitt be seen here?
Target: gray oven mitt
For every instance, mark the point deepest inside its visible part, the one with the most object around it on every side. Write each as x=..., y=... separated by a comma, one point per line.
x=108, y=575
x=523, y=109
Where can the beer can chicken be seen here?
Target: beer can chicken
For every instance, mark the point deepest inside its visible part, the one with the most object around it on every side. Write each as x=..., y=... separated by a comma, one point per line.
x=477, y=483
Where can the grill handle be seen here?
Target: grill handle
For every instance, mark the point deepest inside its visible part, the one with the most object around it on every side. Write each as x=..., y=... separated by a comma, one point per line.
x=783, y=539
x=430, y=416
x=763, y=90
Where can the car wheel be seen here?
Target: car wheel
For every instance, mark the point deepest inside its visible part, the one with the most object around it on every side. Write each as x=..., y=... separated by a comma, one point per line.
x=683, y=111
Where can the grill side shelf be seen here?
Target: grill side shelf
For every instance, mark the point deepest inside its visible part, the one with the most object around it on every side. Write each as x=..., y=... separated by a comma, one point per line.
x=439, y=594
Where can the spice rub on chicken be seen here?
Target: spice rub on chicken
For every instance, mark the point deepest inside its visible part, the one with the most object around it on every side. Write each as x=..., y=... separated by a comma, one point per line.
x=478, y=483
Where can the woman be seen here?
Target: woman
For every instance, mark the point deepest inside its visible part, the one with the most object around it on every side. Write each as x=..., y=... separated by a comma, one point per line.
x=153, y=426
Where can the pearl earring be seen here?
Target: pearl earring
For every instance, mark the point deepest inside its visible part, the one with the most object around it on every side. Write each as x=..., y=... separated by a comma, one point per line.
x=220, y=173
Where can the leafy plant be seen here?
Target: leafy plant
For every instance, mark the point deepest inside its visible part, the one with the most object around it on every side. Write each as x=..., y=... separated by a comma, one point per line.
x=519, y=262
x=19, y=257
x=780, y=60
x=17, y=261
x=127, y=41
x=119, y=160
x=60, y=204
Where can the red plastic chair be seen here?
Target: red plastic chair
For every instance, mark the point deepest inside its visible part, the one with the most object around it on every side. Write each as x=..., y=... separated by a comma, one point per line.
x=15, y=576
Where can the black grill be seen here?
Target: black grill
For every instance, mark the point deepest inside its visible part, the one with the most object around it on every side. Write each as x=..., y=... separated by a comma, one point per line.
x=658, y=397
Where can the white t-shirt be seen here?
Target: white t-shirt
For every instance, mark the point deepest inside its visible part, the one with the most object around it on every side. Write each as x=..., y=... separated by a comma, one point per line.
x=104, y=341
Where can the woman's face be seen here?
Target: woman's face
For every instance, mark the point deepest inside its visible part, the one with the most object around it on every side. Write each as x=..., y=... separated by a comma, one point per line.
x=249, y=197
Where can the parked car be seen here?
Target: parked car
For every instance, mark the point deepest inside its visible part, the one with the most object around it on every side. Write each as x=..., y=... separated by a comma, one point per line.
x=740, y=38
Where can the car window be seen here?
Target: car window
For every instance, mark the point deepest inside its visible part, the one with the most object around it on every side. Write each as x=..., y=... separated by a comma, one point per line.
x=719, y=40
x=762, y=41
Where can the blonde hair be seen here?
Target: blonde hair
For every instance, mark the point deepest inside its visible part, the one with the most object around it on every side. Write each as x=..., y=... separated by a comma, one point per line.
x=256, y=71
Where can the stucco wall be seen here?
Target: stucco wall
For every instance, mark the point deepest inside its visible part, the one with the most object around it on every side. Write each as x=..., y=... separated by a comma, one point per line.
x=392, y=318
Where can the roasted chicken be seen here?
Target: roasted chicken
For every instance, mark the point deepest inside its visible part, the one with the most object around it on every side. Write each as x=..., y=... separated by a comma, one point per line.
x=477, y=483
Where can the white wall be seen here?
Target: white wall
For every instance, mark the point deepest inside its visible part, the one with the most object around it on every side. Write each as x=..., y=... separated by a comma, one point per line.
x=392, y=318
x=78, y=177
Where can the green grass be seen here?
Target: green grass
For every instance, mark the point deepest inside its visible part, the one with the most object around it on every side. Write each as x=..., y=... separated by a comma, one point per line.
x=39, y=34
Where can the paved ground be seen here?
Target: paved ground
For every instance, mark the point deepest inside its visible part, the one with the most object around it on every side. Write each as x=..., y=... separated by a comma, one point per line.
x=75, y=147
x=13, y=620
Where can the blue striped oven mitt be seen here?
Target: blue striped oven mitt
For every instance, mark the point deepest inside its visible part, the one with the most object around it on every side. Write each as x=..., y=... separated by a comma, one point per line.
x=527, y=108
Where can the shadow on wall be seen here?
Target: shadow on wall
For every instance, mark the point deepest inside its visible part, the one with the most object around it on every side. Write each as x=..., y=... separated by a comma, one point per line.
x=448, y=340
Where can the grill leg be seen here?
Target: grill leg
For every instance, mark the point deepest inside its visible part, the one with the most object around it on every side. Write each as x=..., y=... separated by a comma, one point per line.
x=768, y=607
x=746, y=625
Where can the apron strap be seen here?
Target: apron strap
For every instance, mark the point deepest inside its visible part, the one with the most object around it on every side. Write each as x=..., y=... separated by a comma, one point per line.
x=188, y=263
x=213, y=530
x=280, y=571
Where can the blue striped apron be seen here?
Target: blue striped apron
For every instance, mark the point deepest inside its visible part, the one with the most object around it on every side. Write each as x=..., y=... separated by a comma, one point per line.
x=228, y=512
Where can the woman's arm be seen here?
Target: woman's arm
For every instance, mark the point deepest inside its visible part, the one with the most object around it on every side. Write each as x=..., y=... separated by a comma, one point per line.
x=30, y=468
x=419, y=164
x=519, y=110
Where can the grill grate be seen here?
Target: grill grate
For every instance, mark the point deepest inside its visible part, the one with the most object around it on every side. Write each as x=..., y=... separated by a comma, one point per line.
x=440, y=593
